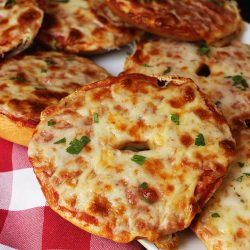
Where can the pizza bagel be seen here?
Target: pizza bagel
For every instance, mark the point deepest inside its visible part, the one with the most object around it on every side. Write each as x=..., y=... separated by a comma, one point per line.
x=131, y=157
x=20, y=23
x=189, y=20
x=223, y=73
x=31, y=82
x=225, y=221
x=83, y=26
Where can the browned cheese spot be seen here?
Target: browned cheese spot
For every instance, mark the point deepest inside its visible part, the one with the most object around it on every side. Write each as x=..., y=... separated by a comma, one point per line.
x=74, y=35
x=149, y=194
x=228, y=146
x=49, y=94
x=87, y=218
x=28, y=17
x=102, y=94
x=100, y=205
x=70, y=177
x=30, y=108
x=189, y=94
x=202, y=113
x=186, y=140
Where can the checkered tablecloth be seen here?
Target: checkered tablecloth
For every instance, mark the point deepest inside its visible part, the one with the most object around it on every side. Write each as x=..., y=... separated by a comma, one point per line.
x=26, y=222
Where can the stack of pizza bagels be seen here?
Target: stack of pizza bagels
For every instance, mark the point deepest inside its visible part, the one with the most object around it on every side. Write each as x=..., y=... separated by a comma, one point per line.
x=163, y=146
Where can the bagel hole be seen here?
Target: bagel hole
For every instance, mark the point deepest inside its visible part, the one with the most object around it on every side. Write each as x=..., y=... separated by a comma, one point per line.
x=203, y=70
x=162, y=83
x=134, y=146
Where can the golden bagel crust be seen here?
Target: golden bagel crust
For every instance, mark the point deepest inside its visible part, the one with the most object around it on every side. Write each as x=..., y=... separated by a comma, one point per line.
x=14, y=130
x=225, y=221
x=199, y=20
x=30, y=83
x=20, y=23
x=214, y=72
x=108, y=189
x=84, y=26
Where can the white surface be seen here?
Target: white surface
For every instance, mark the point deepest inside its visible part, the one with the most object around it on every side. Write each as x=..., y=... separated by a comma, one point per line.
x=113, y=63
x=26, y=191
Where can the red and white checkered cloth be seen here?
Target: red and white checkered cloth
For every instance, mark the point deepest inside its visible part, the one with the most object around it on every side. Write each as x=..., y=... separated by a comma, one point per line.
x=26, y=222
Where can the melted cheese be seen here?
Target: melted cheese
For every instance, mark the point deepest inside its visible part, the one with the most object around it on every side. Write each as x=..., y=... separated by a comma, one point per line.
x=84, y=26
x=183, y=20
x=99, y=188
x=20, y=23
x=155, y=57
x=31, y=82
x=232, y=202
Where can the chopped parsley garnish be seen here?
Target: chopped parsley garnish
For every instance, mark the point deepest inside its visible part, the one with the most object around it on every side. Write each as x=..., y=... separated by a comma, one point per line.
x=51, y=123
x=63, y=140
x=239, y=82
x=204, y=50
x=96, y=118
x=9, y=2
x=144, y=185
x=215, y=215
x=200, y=140
x=241, y=164
x=18, y=78
x=49, y=61
x=53, y=44
x=175, y=118
x=139, y=159
x=147, y=65
x=76, y=145
x=239, y=179
x=167, y=70
x=247, y=174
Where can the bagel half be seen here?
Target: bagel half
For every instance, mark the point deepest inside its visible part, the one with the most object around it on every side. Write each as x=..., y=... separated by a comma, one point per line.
x=187, y=20
x=131, y=157
x=29, y=83
x=20, y=23
x=222, y=73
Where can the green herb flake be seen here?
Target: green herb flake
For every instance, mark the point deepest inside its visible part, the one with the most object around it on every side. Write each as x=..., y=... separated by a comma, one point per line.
x=241, y=164
x=239, y=82
x=53, y=44
x=96, y=117
x=9, y=2
x=215, y=215
x=200, y=140
x=247, y=174
x=147, y=65
x=51, y=123
x=139, y=159
x=49, y=61
x=175, y=118
x=167, y=70
x=18, y=78
x=239, y=179
x=63, y=140
x=76, y=146
x=204, y=50
x=144, y=185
